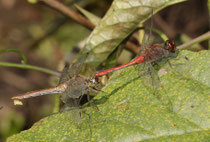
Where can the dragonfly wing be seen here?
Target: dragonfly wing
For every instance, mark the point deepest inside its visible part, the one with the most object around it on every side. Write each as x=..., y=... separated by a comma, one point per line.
x=77, y=86
x=64, y=75
x=145, y=43
x=147, y=37
x=76, y=67
x=149, y=76
x=180, y=65
x=88, y=71
x=70, y=99
x=173, y=61
x=70, y=71
x=73, y=108
x=76, y=89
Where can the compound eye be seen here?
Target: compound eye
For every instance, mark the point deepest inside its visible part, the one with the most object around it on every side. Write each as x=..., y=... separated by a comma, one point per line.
x=170, y=46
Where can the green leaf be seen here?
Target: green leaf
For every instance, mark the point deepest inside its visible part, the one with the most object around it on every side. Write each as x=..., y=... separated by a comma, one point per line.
x=122, y=18
x=93, y=18
x=130, y=111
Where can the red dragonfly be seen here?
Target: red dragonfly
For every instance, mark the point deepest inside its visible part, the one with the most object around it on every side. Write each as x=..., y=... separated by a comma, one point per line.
x=152, y=53
x=149, y=55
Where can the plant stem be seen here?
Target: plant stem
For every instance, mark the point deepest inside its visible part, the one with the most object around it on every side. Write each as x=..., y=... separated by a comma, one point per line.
x=69, y=12
x=16, y=51
x=26, y=66
x=57, y=5
x=195, y=40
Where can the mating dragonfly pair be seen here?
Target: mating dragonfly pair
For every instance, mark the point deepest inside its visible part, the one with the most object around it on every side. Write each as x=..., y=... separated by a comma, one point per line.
x=73, y=85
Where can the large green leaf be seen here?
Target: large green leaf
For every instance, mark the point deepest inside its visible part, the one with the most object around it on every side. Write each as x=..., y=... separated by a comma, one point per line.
x=121, y=19
x=132, y=112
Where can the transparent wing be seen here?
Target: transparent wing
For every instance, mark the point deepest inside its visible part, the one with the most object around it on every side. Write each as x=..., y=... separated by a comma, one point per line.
x=147, y=38
x=145, y=43
x=180, y=64
x=64, y=75
x=88, y=71
x=72, y=106
x=149, y=76
x=76, y=67
x=76, y=89
x=170, y=61
x=70, y=71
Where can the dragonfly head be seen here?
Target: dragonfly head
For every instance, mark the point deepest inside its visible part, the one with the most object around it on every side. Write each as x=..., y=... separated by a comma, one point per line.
x=170, y=46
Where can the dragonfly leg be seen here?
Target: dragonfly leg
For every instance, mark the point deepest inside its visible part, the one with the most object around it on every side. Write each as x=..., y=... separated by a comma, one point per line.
x=95, y=89
x=169, y=63
x=80, y=98
x=156, y=79
x=88, y=98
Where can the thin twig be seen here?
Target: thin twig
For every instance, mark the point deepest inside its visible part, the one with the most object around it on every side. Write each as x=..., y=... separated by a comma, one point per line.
x=16, y=51
x=80, y=19
x=195, y=40
x=53, y=28
x=26, y=66
x=69, y=12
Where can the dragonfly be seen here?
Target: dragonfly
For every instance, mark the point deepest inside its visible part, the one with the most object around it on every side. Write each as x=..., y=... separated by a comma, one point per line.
x=73, y=85
x=149, y=55
x=152, y=54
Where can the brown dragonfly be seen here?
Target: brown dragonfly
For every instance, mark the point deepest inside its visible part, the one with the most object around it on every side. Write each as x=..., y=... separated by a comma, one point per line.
x=73, y=85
